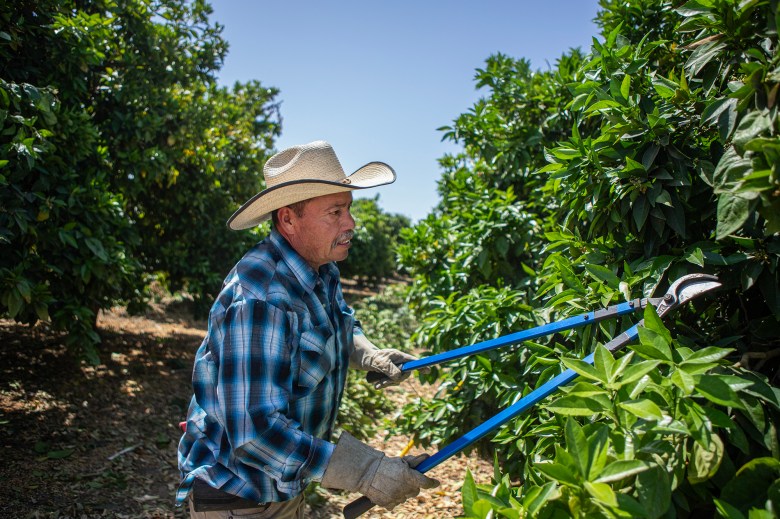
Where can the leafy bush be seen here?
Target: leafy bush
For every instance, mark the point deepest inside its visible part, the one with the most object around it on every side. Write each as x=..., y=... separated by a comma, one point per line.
x=63, y=233
x=661, y=427
x=372, y=255
x=652, y=157
x=389, y=324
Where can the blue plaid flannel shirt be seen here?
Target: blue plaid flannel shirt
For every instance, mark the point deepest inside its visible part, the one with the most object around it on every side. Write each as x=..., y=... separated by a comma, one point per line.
x=268, y=377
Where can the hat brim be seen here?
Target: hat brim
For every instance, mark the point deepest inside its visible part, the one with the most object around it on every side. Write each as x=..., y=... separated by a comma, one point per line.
x=259, y=208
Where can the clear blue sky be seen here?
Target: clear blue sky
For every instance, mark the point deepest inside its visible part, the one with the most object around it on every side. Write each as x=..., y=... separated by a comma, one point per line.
x=376, y=79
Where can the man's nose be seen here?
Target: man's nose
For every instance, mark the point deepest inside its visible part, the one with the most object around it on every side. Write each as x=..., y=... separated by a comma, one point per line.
x=350, y=222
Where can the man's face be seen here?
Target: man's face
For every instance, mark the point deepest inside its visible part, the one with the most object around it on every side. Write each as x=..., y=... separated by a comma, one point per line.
x=323, y=232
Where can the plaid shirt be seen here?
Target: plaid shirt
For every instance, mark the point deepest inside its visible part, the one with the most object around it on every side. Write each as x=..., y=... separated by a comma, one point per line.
x=268, y=377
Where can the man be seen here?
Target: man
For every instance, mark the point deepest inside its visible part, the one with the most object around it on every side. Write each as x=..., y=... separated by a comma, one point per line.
x=269, y=375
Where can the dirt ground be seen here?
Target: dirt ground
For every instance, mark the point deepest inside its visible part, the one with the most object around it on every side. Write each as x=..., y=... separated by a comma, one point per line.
x=82, y=441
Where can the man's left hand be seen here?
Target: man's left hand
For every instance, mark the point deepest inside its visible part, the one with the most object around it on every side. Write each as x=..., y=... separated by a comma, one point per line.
x=385, y=361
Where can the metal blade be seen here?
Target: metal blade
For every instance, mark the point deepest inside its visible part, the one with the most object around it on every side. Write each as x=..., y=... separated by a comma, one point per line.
x=684, y=289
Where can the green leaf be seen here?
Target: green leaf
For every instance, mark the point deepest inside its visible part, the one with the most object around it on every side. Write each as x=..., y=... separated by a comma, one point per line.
x=640, y=210
x=748, y=488
x=565, y=153
x=652, y=346
x=684, y=381
x=727, y=511
x=625, y=86
x=654, y=491
x=579, y=406
x=756, y=182
x=603, y=274
x=511, y=513
x=537, y=497
x=601, y=105
x=761, y=389
x=481, y=508
x=633, y=168
x=557, y=472
x=577, y=446
x=694, y=7
x=603, y=361
x=733, y=212
x=702, y=55
x=484, y=362
x=584, y=369
x=14, y=303
x=714, y=389
x=652, y=322
x=730, y=169
x=585, y=389
x=638, y=370
x=752, y=125
x=665, y=87
x=750, y=274
x=601, y=492
x=468, y=493
x=636, y=65
x=645, y=409
x=723, y=112
x=663, y=198
x=96, y=247
x=696, y=257
x=621, y=469
x=707, y=355
x=42, y=311
x=705, y=461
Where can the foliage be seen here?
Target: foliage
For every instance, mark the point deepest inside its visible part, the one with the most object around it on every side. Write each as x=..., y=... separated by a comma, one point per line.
x=480, y=235
x=120, y=159
x=372, y=254
x=63, y=233
x=664, y=427
x=388, y=322
x=651, y=157
x=474, y=390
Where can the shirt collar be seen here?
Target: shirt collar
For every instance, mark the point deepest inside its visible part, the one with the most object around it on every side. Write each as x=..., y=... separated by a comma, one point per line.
x=305, y=274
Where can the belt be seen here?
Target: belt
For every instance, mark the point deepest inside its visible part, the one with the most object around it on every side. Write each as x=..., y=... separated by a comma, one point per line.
x=206, y=498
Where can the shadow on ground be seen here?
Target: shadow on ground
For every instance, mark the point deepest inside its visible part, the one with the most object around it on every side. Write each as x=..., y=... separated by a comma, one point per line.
x=91, y=441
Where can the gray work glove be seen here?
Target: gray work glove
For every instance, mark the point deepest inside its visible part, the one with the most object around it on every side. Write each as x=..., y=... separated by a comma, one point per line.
x=368, y=357
x=386, y=481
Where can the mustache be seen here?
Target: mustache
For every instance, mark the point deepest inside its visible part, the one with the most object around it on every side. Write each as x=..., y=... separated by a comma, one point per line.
x=347, y=236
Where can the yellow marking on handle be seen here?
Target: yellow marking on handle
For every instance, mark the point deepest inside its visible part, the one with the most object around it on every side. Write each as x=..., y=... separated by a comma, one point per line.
x=406, y=449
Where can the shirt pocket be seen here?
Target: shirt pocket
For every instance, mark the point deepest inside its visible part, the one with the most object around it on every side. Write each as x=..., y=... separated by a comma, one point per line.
x=316, y=347
x=347, y=317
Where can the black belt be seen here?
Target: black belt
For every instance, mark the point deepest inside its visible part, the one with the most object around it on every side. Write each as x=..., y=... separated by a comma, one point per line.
x=206, y=498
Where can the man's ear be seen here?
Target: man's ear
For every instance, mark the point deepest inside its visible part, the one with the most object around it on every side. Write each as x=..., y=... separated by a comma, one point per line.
x=286, y=218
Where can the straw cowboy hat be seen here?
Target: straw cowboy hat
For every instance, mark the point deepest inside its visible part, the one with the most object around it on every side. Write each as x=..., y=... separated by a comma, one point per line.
x=302, y=172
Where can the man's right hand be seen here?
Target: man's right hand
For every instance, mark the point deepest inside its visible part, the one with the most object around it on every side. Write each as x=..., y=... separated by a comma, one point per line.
x=386, y=481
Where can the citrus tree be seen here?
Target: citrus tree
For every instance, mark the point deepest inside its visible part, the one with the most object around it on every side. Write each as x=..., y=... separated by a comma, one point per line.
x=606, y=179
x=120, y=158
x=372, y=255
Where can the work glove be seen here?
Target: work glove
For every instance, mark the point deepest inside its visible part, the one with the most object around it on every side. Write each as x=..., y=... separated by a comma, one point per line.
x=386, y=481
x=368, y=357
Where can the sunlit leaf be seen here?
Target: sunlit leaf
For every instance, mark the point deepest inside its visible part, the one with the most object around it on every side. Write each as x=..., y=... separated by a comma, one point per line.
x=621, y=469
x=705, y=461
x=645, y=409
